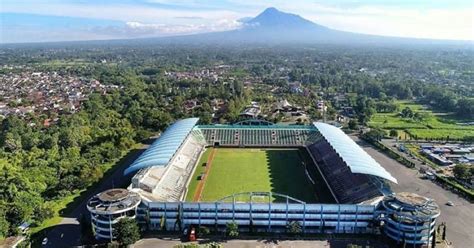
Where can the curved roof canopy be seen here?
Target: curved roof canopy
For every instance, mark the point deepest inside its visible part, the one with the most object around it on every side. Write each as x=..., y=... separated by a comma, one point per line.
x=163, y=149
x=352, y=154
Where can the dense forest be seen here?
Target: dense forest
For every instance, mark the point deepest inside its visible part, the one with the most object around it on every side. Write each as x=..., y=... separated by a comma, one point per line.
x=40, y=164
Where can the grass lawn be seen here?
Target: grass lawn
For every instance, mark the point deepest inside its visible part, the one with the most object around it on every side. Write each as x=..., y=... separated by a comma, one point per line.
x=435, y=125
x=199, y=169
x=57, y=206
x=254, y=170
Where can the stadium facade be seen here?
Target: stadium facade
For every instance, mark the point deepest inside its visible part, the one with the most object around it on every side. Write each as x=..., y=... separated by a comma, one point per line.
x=359, y=185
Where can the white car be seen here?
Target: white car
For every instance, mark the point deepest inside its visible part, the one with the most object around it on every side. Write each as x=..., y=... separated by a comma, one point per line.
x=450, y=203
x=45, y=241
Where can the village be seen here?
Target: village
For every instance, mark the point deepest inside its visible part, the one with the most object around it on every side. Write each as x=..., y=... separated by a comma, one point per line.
x=45, y=93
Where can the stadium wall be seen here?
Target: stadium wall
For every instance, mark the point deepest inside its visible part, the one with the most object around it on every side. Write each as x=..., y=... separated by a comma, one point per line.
x=411, y=224
x=267, y=217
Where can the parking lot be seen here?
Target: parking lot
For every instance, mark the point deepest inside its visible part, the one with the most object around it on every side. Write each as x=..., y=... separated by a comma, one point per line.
x=459, y=218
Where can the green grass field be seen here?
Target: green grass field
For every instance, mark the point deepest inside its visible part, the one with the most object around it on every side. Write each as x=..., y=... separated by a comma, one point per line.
x=253, y=170
x=435, y=125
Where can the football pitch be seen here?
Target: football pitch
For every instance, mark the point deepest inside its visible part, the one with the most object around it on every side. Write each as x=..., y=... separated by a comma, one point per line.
x=229, y=171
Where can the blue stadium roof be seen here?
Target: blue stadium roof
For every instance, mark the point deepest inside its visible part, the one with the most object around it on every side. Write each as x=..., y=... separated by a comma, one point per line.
x=353, y=155
x=163, y=149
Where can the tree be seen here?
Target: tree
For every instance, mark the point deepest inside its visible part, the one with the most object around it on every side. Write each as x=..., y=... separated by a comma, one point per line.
x=162, y=221
x=444, y=232
x=393, y=133
x=463, y=172
x=374, y=134
x=127, y=231
x=466, y=107
x=232, y=229
x=352, y=124
x=407, y=113
x=4, y=226
x=364, y=108
x=294, y=227
x=43, y=212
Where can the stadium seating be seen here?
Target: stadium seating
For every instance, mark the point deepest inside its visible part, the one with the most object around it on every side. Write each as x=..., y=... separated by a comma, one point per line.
x=171, y=184
x=347, y=186
x=269, y=136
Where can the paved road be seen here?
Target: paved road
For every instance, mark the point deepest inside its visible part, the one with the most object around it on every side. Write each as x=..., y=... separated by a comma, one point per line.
x=68, y=232
x=158, y=243
x=262, y=243
x=459, y=218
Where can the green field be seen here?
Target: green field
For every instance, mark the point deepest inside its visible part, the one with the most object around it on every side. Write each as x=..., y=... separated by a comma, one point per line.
x=434, y=125
x=254, y=170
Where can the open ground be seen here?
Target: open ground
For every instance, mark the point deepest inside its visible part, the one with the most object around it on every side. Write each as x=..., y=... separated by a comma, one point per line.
x=234, y=170
x=459, y=218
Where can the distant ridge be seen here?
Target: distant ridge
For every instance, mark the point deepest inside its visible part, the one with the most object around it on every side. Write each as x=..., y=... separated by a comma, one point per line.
x=275, y=26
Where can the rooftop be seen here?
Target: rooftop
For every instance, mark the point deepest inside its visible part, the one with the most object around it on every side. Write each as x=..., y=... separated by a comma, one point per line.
x=164, y=148
x=113, y=201
x=411, y=206
x=113, y=195
x=352, y=154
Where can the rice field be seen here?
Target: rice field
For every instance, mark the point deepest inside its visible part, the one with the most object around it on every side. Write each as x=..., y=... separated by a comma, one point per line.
x=435, y=125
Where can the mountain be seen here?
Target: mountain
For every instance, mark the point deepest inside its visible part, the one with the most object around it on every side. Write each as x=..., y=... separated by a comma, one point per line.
x=271, y=26
x=274, y=26
x=274, y=19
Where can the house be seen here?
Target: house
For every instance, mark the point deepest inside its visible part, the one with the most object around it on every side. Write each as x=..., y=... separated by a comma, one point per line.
x=250, y=112
x=287, y=109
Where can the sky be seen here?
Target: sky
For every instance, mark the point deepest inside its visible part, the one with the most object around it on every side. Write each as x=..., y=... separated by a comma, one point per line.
x=64, y=20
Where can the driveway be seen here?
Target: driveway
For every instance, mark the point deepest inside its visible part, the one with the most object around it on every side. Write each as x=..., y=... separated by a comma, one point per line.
x=459, y=218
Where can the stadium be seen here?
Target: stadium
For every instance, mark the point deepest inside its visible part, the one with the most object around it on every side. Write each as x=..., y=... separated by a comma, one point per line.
x=263, y=176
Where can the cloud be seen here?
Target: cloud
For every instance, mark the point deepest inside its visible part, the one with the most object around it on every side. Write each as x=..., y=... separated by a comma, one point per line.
x=455, y=24
x=152, y=29
x=120, y=11
x=433, y=19
x=189, y=17
x=145, y=18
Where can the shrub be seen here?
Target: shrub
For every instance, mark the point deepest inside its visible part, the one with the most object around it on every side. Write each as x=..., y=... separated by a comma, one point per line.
x=203, y=231
x=194, y=245
x=294, y=227
x=127, y=231
x=232, y=229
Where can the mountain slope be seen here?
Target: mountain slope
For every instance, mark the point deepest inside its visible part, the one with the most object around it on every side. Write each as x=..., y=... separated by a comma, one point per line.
x=274, y=26
x=273, y=18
